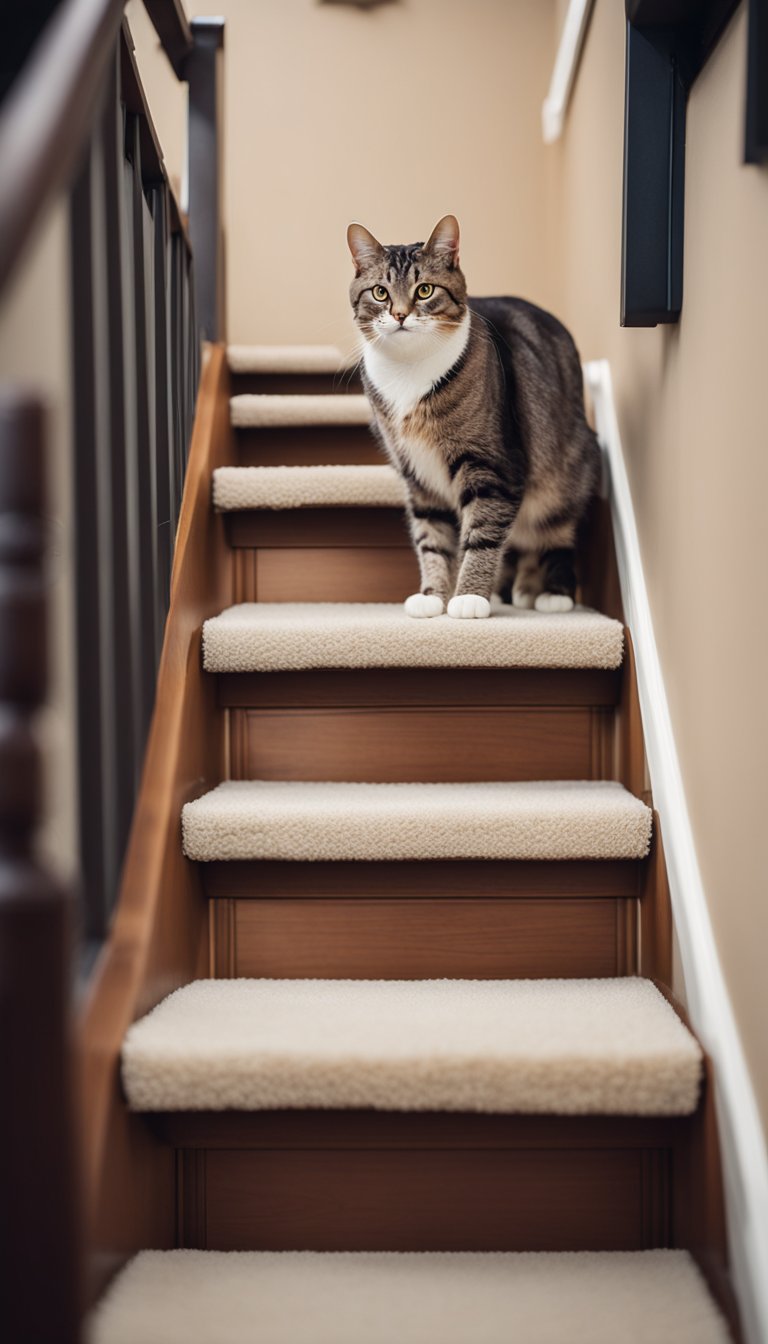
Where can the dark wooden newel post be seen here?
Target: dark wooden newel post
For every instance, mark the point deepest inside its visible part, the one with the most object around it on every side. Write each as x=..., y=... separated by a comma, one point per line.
x=39, y=1249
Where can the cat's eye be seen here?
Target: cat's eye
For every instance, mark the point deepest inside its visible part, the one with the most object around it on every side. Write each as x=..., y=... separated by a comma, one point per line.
x=425, y=291
x=379, y=293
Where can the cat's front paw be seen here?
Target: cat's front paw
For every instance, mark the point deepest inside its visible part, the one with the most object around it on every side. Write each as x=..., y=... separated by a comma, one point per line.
x=554, y=602
x=424, y=604
x=469, y=606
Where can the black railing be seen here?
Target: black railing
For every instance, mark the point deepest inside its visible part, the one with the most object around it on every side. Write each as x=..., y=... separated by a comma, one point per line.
x=136, y=364
x=74, y=120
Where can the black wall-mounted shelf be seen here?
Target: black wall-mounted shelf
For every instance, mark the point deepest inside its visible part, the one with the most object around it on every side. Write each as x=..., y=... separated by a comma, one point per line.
x=668, y=44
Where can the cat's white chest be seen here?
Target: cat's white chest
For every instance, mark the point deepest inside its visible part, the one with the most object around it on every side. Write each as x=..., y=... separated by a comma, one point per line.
x=405, y=366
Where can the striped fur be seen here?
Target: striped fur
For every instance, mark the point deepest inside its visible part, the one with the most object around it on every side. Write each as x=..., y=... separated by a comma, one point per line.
x=479, y=404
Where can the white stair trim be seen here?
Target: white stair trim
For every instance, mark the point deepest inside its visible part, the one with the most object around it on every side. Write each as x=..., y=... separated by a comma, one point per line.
x=741, y=1135
x=572, y=37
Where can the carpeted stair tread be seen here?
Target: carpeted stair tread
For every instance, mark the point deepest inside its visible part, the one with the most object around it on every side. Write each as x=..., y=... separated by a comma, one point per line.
x=305, y=1297
x=291, y=636
x=285, y=359
x=306, y=487
x=299, y=820
x=261, y=410
x=557, y=1047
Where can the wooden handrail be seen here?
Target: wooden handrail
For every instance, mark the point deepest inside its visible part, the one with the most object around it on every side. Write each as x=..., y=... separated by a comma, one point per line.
x=49, y=113
x=52, y=107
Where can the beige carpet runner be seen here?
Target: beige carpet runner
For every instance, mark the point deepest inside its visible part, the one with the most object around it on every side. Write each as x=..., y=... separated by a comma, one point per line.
x=260, y=410
x=291, y=636
x=285, y=359
x=214, y=1297
x=557, y=1047
x=306, y=487
x=283, y=819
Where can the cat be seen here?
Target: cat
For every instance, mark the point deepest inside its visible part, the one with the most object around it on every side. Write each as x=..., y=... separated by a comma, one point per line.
x=479, y=405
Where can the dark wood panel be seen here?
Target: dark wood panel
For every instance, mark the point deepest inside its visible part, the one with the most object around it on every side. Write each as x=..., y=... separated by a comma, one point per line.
x=597, y=568
x=428, y=686
x=305, y=527
x=335, y=574
x=401, y=939
x=368, y=1129
x=297, y=384
x=656, y=913
x=402, y=1200
x=443, y=878
x=303, y=446
x=390, y=745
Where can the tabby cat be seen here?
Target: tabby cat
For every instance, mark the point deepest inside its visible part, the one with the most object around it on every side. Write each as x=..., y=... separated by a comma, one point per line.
x=479, y=405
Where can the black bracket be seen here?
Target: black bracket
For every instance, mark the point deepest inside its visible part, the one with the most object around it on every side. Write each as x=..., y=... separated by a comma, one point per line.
x=668, y=43
x=756, y=120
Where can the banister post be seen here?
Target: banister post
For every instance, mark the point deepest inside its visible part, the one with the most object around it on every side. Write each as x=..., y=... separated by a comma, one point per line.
x=39, y=1225
x=204, y=73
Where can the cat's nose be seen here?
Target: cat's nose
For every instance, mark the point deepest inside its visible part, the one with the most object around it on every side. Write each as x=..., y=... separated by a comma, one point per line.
x=400, y=317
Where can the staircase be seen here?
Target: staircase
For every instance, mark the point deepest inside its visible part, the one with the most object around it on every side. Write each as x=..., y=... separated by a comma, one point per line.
x=433, y=1085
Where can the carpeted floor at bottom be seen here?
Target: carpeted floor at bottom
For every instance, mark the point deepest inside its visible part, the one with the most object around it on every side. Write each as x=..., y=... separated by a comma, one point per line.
x=209, y=1297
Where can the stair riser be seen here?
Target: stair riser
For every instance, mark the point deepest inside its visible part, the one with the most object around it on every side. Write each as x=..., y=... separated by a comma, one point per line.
x=410, y=688
x=300, y=446
x=390, y=745
x=349, y=526
x=429, y=938
x=411, y=1200
x=325, y=574
x=433, y=878
x=295, y=384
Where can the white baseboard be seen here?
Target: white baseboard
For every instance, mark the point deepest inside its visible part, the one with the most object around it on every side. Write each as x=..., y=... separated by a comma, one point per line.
x=745, y=1161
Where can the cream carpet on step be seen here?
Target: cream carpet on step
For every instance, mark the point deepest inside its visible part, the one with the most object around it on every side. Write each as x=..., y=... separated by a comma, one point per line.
x=562, y=1047
x=283, y=819
x=290, y=636
x=306, y=487
x=285, y=358
x=324, y=408
x=215, y=1297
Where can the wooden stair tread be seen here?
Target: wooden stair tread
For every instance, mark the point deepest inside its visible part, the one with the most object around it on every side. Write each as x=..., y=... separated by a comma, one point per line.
x=294, y=636
x=209, y=1297
x=563, y=1047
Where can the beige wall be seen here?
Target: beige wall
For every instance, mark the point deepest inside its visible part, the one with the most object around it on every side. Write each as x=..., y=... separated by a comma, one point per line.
x=694, y=420
x=393, y=116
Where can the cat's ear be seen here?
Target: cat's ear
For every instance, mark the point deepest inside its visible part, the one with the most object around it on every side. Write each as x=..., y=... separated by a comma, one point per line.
x=444, y=240
x=363, y=246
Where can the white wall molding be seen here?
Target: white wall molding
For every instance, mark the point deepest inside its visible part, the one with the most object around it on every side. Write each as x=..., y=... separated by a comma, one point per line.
x=555, y=104
x=745, y=1161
